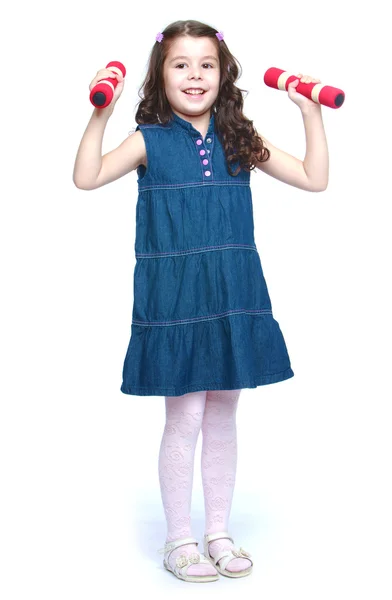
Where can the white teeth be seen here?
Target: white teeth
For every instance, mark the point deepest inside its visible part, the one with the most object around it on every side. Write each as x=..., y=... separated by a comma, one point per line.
x=194, y=92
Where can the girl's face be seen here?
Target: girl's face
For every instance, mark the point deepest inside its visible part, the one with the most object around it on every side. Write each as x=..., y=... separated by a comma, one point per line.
x=191, y=63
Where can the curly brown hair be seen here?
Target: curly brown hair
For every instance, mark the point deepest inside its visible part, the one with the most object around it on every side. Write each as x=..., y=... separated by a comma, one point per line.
x=240, y=140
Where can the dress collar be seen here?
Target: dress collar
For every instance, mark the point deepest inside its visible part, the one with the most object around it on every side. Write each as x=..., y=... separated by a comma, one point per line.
x=189, y=127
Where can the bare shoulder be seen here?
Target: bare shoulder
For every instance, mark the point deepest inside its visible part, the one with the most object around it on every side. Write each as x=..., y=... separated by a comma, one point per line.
x=135, y=145
x=139, y=139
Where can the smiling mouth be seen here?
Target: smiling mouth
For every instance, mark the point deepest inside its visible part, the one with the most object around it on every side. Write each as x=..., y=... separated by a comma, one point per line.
x=194, y=94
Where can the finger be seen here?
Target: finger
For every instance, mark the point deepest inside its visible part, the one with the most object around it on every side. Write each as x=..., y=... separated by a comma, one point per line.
x=111, y=74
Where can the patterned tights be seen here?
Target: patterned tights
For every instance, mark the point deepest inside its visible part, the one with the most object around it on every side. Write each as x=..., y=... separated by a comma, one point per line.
x=214, y=413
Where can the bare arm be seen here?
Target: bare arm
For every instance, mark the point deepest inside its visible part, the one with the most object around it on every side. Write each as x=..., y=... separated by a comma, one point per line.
x=122, y=160
x=89, y=157
x=311, y=174
x=285, y=168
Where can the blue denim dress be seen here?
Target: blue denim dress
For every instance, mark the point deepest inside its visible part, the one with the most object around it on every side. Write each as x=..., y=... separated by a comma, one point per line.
x=202, y=317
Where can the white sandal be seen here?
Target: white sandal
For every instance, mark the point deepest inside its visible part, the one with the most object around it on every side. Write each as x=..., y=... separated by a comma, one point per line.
x=183, y=561
x=226, y=555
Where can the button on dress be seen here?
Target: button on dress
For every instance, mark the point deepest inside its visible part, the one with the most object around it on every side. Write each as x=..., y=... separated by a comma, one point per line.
x=202, y=316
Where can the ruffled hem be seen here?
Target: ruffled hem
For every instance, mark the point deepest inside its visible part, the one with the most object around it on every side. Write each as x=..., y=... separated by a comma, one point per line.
x=233, y=352
x=215, y=385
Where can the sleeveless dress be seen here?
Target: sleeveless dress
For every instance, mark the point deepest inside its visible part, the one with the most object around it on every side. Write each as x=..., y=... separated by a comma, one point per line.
x=202, y=316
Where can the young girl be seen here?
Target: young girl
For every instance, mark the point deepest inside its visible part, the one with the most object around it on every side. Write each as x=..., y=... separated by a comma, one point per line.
x=202, y=326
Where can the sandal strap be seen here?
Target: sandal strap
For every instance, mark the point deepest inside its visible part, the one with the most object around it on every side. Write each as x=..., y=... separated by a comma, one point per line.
x=225, y=556
x=230, y=555
x=183, y=562
x=170, y=546
x=211, y=537
x=184, y=569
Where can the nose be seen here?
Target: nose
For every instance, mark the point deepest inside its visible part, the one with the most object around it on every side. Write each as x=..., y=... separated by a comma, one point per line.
x=194, y=73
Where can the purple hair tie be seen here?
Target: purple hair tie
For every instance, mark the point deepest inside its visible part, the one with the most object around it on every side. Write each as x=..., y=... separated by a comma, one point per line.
x=159, y=37
x=219, y=35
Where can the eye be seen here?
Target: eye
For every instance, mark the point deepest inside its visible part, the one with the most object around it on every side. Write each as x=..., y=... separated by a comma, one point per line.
x=180, y=64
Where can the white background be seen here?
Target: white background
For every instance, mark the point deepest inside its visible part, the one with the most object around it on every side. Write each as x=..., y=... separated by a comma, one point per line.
x=80, y=508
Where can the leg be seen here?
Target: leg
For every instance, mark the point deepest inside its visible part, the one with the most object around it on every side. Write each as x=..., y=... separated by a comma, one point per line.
x=184, y=416
x=218, y=467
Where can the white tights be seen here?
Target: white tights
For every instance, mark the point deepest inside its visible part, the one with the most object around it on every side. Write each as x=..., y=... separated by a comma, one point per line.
x=214, y=413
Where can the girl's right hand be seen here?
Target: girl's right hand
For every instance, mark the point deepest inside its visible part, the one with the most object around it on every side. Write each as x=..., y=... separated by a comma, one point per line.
x=104, y=74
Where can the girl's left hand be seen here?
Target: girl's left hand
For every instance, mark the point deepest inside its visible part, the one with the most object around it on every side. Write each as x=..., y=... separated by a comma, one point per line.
x=298, y=99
